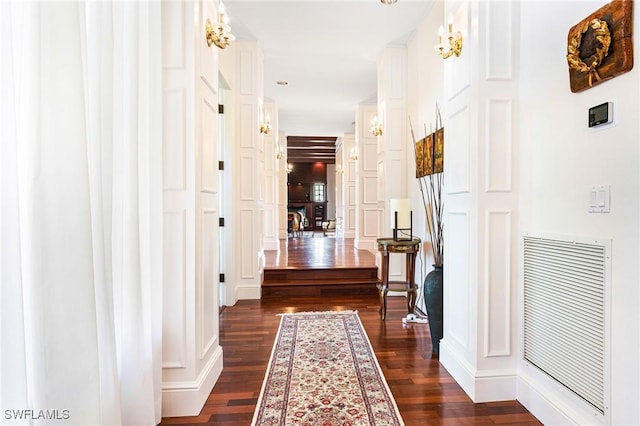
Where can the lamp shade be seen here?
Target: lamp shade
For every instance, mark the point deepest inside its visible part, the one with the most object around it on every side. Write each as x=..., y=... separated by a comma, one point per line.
x=403, y=207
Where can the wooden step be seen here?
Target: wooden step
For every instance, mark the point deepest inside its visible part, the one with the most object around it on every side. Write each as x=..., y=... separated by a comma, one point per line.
x=310, y=276
x=319, y=281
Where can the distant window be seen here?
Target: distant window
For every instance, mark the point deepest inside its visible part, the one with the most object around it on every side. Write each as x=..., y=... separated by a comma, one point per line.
x=318, y=192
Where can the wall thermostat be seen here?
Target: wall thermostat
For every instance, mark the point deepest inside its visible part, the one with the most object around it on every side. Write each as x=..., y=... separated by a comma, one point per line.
x=601, y=114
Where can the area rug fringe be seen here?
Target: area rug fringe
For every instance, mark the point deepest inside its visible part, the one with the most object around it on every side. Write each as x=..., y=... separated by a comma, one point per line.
x=286, y=397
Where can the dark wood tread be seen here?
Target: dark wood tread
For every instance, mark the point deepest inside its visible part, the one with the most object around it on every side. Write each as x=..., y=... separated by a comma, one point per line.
x=319, y=276
x=321, y=281
x=340, y=289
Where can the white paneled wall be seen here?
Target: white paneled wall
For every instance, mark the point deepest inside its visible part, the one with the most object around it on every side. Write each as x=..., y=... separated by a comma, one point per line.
x=192, y=356
x=501, y=106
x=248, y=156
x=350, y=167
x=283, y=196
x=367, y=181
x=554, y=194
x=479, y=347
x=340, y=187
x=271, y=178
x=393, y=144
x=425, y=90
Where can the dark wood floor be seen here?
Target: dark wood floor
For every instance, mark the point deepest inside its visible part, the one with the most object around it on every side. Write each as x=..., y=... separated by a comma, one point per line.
x=425, y=393
x=314, y=250
x=316, y=265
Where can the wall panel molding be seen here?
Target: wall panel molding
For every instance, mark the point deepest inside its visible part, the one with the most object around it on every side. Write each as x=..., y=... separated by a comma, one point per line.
x=499, y=43
x=174, y=342
x=247, y=182
x=208, y=306
x=370, y=222
x=498, y=149
x=247, y=234
x=370, y=157
x=369, y=190
x=247, y=116
x=247, y=77
x=458, y=145
x=457, y=276
x=497, y=294
x=173, y=32
x=174, y=148
x=208, y=152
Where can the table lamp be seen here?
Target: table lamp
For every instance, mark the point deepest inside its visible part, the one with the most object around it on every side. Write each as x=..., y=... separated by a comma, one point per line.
x=401, y=219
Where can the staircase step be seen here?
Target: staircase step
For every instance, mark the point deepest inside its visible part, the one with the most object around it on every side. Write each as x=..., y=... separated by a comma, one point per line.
x=299, y=276
x=314, y=281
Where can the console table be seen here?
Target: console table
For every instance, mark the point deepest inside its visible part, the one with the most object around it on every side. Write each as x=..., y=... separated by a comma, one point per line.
x=410, y=249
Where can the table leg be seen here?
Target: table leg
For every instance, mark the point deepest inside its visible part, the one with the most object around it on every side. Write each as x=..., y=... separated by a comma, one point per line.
x=384, y=285
x=383, y=303
x=410, y=283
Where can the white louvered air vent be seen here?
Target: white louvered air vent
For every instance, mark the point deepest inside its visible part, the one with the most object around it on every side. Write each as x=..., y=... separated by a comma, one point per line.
x=565, y=315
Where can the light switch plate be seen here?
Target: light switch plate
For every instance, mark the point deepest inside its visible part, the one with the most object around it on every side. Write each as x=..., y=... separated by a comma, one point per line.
x=600, y=199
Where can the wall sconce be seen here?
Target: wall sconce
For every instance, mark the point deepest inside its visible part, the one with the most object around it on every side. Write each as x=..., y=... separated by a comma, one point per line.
x=353, y=154
x=280, y=153
x=289, y=168
x=220, y=33
x=455, y=41
x=265, y=127
x=376, y=127
x=339, y=169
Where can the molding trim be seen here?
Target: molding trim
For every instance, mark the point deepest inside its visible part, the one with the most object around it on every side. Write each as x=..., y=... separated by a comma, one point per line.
x=483, y=385
x=547, y=406
x=245, y=292
x=188, y=398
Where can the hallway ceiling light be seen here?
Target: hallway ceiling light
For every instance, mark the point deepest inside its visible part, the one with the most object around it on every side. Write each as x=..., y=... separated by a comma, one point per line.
x=388, y=1
x=220, y=33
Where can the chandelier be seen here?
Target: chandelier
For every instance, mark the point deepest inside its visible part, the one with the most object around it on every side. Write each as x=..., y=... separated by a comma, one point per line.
x=376, y=127
x=220, y=33
x=265, y=126
x=454, y=39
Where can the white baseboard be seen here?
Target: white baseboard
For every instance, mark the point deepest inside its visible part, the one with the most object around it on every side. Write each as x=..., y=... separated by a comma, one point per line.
x=187, y=398
x=481, y=386
x=457, y=367
x=271, y=245
x=554, y=406
x=248, y=292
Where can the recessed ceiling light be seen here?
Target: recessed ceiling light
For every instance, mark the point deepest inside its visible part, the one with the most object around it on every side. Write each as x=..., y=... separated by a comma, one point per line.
x=282, y=82
x=388, y=1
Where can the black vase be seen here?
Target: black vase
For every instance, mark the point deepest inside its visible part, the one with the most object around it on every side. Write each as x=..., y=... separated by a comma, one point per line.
x=433, y=302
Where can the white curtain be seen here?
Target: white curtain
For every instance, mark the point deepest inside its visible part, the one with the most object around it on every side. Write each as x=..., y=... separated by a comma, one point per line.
x=81, y=243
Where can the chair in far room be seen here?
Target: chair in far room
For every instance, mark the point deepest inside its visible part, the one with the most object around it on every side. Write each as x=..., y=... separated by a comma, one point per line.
x=329, y=227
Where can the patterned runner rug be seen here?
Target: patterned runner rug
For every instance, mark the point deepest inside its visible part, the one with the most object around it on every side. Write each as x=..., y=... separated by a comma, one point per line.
x=323, y=371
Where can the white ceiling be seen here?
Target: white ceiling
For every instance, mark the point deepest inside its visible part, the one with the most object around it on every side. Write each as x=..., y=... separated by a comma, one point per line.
x=326, y=50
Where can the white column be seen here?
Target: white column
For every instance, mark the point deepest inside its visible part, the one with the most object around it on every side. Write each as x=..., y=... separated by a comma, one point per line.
x=480, y=346
x=393, y=144
x=364, y=158
x=271, y=180
x=348, y=151
x=191, y=355
x=249, y=165
x=283, y=196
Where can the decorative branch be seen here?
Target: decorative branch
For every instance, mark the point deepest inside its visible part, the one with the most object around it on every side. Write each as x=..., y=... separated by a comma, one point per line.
x=431, y=192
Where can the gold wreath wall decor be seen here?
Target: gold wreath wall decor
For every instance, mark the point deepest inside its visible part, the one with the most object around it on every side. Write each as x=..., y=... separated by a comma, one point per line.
x=590, y=64
x=600, y=46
